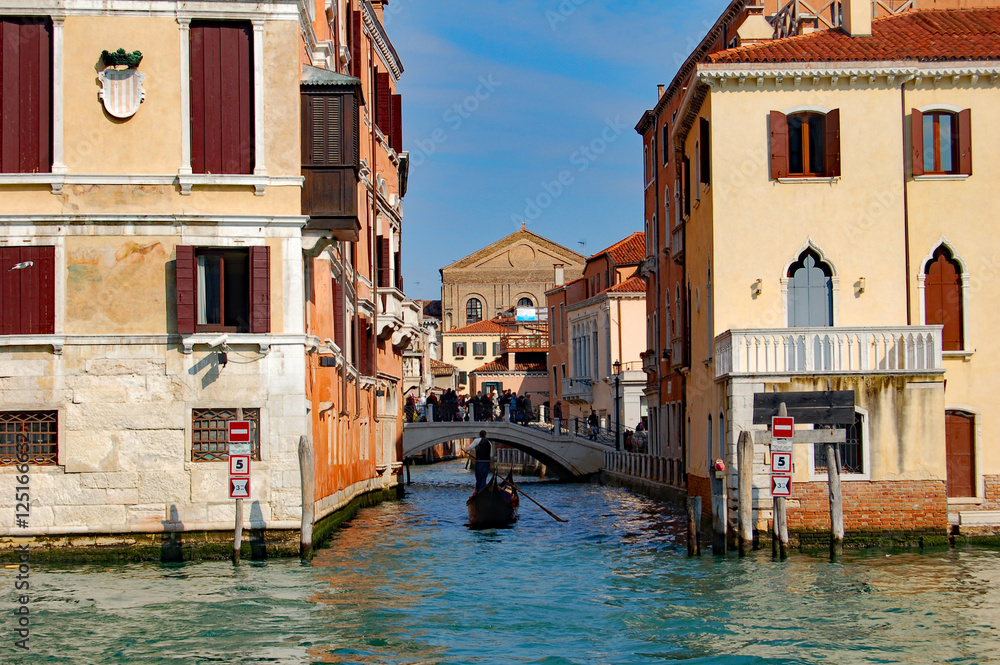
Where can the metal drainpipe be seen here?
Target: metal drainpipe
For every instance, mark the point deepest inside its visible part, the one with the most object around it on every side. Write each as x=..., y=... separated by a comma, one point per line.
x=906, y=209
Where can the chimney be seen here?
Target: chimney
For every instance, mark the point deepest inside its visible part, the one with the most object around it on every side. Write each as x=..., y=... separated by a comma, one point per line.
x=857, y=18
x=560, y=274
x=660, y=89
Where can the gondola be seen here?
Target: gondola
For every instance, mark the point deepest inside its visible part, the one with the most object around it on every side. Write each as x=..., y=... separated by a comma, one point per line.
x=495, y=506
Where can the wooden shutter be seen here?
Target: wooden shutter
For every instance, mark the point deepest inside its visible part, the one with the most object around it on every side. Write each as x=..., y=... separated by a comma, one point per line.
x=383, y=262
x=383, y=102
x=338, y=315
x=831, y=146
x=687, y=186
x=917, y=141
x=943, y=300
x=184, y=281
x=260, y=290
x=324, y=130
x=27, y=295
x=706, y=152
x=965, y=142
x=356, y=37
x=222, y=135
x=779, y=145
x=25, y=96
x=397, y=124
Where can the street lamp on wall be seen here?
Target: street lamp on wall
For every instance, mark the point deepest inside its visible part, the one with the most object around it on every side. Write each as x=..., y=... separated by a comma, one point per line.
x=618, y=420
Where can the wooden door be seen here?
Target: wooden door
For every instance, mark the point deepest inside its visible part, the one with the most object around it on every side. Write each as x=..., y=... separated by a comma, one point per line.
x=943, y=299
x=960, y=444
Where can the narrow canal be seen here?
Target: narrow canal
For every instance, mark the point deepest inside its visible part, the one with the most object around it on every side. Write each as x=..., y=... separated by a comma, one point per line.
x=409, y=583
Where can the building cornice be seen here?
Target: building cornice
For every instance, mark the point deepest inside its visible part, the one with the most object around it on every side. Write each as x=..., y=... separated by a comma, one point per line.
x=103, y=219
x=381, y=39
x=739, y=76
x=205, y=9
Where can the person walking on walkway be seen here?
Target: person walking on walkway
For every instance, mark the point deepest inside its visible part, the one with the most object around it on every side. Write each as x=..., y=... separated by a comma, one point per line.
x=483, y=450
x=557, y=417
x=594, y=423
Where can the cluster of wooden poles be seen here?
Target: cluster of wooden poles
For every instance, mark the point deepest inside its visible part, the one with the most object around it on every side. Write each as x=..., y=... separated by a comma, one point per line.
x=779, y=523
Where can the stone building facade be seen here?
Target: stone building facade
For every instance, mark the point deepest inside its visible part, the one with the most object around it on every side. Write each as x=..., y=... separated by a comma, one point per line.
x=516, y=270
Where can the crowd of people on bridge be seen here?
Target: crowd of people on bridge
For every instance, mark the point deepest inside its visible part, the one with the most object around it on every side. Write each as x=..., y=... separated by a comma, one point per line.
x=452, y=407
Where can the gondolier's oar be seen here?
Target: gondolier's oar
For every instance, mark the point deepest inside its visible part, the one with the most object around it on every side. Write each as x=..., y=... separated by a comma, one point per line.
x=552, y=514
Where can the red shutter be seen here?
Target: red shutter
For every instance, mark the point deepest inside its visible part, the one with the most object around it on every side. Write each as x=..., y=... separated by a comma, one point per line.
x=917, y=141
x=338, y=315
x=25, y=96
x=184, y=280
x=356, y=37
x=383, y=273
x=222, y=120
x=38, y=291
x=965, y=142
x=779, y=145
x=10, y=291
x=397, y=123
x=383, y=102
x=260, y=290
x=831, y=147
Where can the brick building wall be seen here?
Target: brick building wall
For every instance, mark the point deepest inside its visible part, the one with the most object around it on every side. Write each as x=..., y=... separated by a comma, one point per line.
x=873, y=507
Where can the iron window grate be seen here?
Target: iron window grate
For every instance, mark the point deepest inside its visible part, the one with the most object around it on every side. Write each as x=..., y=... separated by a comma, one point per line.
x=38, y=429
x=209, y=433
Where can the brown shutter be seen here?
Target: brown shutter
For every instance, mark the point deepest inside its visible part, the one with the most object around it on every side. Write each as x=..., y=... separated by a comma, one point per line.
x=260, y=290
x=338, y=315
x=965, y=142
x=383, y=102
x=356, y=37
x=917, y=141
x=779, y=145
x=10, y=291
x=222, y=120
x=831, y=147
x=397, y=123
x=706, y=152
x=25, y=96
x=383, y=248
x=184, y=280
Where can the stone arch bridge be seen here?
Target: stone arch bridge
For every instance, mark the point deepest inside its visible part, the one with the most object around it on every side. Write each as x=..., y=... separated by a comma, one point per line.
x=566, y=455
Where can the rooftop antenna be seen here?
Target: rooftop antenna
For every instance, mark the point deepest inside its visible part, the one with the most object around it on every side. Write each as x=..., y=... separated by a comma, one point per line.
x=583, y=246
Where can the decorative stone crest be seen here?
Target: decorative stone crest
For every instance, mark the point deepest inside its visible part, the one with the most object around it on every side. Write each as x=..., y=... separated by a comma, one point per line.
x=121, y=89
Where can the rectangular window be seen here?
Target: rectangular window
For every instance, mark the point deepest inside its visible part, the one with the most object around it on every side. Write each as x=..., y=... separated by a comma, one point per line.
x=35, y=433
x=222, y=106
x=942, y=142
x=852, y=458
x=496, y=348
x=25, y=95
x=706, y=153
x=458, y=349
x=210, y=436
x=27, y=290
x=223, y=290
x=687, y=186
x=666, y=143
x=805, y=144
x=463, y=378
x=479, y=349
x=939, y=139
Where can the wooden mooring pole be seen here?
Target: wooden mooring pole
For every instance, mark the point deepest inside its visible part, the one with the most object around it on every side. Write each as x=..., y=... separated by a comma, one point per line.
x=836, y=502
x=779, y=542
x=694, y=522
x=238, y=532
x=307, y=472
x=720, y=517
x=744, y=462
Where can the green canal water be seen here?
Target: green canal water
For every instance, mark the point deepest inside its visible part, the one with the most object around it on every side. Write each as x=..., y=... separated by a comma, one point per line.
x=407, y=582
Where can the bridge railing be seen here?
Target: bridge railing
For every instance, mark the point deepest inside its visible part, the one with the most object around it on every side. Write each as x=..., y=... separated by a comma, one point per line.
x=657, y=469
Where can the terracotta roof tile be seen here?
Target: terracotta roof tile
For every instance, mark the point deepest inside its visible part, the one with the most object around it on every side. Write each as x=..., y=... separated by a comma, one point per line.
x=634, y=284
x=500, y=365
x=925, y=36
x=631, y=250
x=491, y=327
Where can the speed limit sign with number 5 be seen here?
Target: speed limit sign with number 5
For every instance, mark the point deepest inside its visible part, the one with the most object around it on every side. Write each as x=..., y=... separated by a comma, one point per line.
x=239, y=465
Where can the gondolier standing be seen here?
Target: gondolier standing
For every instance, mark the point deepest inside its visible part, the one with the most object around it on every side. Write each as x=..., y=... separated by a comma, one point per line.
x=483, y=453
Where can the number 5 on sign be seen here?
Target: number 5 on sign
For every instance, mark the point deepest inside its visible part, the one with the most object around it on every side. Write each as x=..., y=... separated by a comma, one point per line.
x=239, y=465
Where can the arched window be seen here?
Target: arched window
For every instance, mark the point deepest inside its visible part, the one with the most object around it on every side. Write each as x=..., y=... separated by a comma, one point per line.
x=943, y=297
x=810, y=292
x=473, y=311
x=525, y=302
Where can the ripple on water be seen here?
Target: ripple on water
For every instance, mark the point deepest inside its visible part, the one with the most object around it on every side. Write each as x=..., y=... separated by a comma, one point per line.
x=408, y=583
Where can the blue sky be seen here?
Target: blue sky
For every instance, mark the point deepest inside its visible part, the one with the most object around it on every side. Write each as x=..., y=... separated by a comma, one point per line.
x=523, y=110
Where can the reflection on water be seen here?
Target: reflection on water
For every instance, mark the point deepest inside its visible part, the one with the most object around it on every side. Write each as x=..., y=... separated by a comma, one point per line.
x=408, y=583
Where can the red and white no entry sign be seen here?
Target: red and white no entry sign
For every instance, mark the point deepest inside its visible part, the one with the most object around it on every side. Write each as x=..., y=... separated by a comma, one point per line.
x=239, y=431
x=783, y=427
